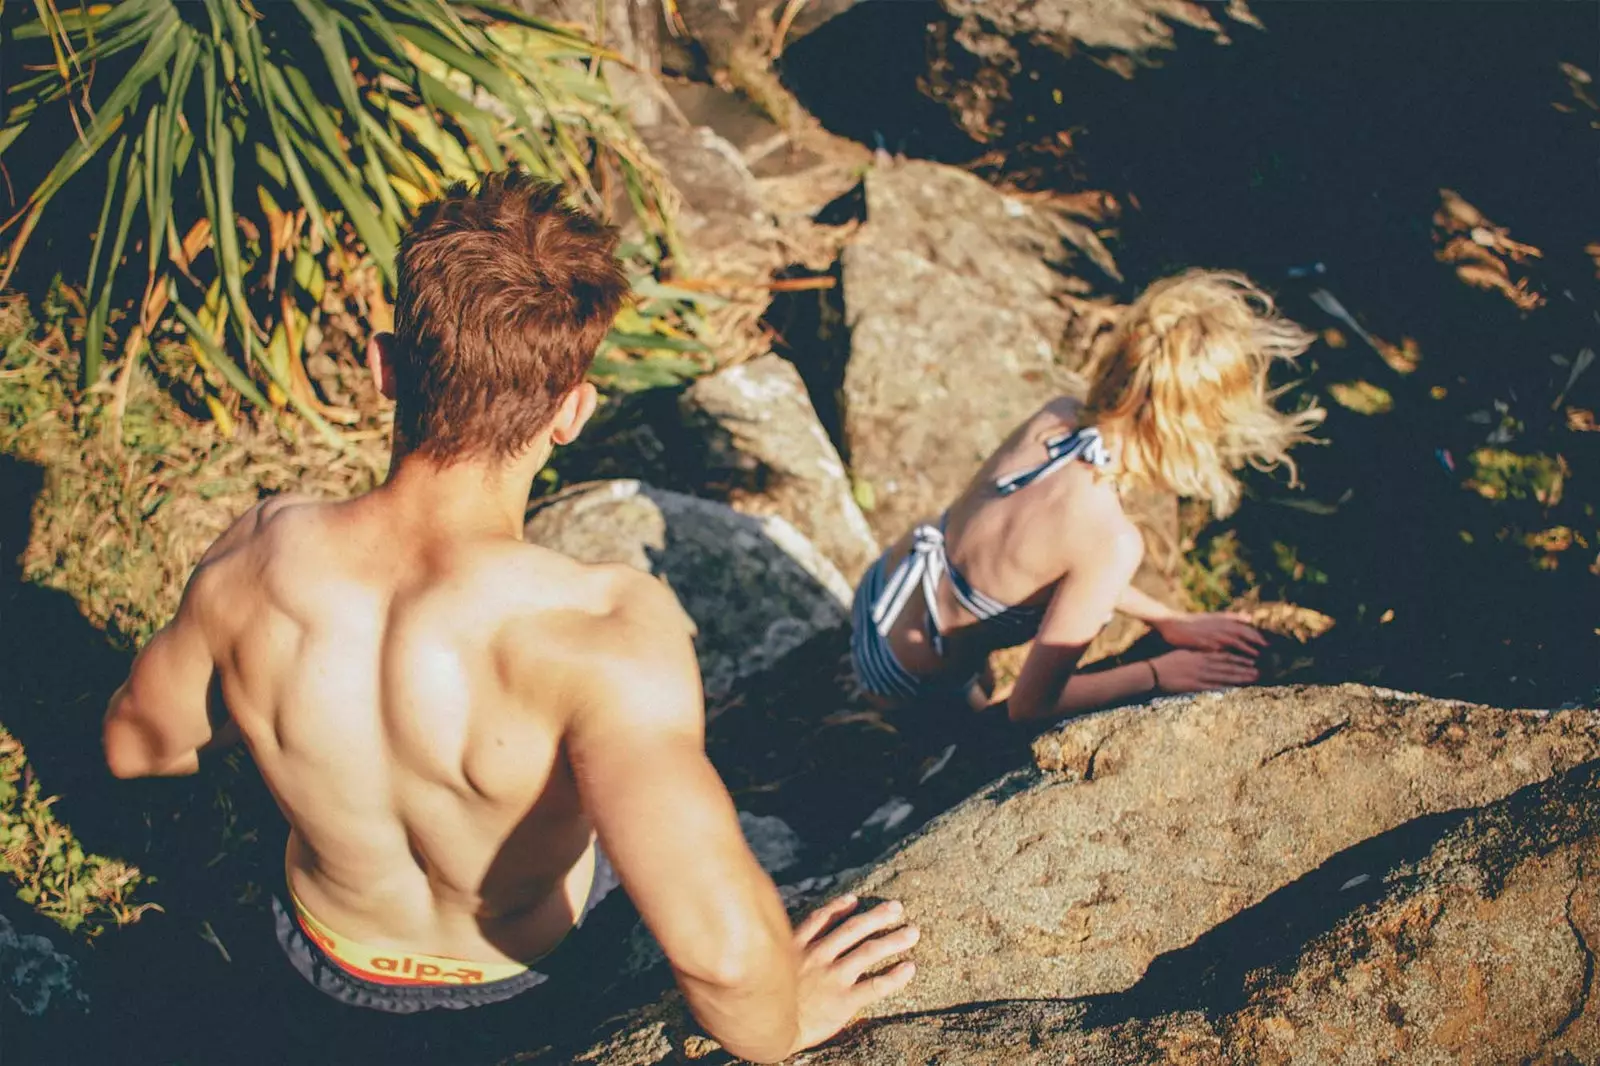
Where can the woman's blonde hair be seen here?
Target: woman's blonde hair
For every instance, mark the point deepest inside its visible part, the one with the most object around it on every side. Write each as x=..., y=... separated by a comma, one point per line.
x=1180, y=389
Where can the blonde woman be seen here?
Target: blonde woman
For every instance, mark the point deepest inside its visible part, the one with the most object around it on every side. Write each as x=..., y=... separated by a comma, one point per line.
x=1038, y=546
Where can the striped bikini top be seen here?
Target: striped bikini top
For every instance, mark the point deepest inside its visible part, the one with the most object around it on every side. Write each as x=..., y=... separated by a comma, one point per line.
x=927, y=561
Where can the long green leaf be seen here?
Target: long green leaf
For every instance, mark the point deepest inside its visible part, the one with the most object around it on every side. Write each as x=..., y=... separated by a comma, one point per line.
x=366, y=221
x=238, y=379
x=108, y=117
x=484, y=73
x=274, y=89
x=94, y=328
x=652, y=342
x=132, y=191
x=168, y=138
x=325, y=31
x=224, y=226
x=477, y=122
x=80, y=21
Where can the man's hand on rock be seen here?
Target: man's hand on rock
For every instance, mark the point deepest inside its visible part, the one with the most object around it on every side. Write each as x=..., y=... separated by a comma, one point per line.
x=837, y=960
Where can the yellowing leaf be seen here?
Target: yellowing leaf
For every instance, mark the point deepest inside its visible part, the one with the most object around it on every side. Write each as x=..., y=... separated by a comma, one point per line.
x=1362, y=397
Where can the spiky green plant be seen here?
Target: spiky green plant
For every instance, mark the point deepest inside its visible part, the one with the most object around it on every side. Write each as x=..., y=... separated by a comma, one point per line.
x=241, y=151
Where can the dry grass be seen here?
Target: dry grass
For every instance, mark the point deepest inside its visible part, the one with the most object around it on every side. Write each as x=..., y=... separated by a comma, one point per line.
x=122, y=519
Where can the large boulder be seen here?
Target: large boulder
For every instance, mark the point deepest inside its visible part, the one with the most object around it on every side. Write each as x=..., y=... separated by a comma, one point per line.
x=1481, y=952
x=746, y=435
x=1134, y=27
x=799, y=168
x=764, y=450
x=957, y=306
x=724, y=225
x=1140, y=829
x=734, y=43
x=1106, y=900
x=754, y=586
x=984, y=45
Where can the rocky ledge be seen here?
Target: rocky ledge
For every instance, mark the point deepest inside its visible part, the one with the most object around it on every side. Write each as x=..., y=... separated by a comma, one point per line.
x=1307, y=875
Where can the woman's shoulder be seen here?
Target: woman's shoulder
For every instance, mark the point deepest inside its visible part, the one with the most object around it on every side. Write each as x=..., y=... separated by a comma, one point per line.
x=1065, y=409
x=1089, y=501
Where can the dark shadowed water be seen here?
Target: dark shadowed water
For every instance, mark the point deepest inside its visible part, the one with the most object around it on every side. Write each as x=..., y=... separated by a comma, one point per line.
x=1324, y=141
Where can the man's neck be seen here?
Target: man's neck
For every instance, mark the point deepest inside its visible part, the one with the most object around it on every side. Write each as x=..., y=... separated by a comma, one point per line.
x=468, y=497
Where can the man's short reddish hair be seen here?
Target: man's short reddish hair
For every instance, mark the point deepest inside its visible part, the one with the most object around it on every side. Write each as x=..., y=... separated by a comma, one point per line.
x=505, y=293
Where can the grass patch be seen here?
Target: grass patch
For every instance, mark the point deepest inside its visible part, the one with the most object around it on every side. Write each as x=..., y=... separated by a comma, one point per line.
x=80, y=891
x=1501, y=474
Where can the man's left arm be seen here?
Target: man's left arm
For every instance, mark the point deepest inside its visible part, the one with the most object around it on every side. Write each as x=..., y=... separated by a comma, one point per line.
x=170, y=710
x=158, y=720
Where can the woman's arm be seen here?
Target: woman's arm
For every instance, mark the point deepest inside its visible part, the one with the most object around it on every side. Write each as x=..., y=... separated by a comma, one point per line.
x=1100, y=688
x=1188, y=629
x=1220, y=653
x=1048, y=685
x=1146, y=608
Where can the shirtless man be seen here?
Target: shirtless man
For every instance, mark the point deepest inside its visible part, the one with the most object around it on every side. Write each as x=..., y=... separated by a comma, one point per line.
x=448, y=716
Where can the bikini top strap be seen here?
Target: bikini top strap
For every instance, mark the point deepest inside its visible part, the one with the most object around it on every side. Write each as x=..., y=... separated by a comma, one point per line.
x=1085, y=443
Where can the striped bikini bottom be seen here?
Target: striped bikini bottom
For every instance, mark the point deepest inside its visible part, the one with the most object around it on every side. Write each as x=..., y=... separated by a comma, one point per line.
x=876, y=667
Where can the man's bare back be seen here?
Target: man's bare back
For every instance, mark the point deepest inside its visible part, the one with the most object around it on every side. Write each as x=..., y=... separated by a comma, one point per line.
x=366, y=667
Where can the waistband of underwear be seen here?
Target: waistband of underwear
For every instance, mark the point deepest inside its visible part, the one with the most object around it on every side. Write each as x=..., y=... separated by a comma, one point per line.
x=390, y=966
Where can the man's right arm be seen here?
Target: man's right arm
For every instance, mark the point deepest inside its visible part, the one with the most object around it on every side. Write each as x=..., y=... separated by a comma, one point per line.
x=637, y=748
x=669, y=828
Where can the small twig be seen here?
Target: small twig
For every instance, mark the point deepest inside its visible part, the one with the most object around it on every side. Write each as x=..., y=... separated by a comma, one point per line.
x=675, y=25
x=776, y=285
x=790, y=10
x=210, y=937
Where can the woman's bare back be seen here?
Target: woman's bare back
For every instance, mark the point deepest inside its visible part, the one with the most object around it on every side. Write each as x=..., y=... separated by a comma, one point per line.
x=1014, y=548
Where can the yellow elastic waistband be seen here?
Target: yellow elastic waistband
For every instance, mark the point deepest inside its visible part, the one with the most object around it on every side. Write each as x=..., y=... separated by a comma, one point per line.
x=389, y=966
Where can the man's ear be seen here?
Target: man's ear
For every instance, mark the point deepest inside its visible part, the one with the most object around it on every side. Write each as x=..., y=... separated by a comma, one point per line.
x=379, y=351
x=576, y=408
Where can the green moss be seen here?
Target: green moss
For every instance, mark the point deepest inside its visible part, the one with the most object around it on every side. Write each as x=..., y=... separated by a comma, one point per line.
x=1501, y=474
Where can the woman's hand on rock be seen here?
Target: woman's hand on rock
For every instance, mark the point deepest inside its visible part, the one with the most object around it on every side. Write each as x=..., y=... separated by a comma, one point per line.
x=838, y=959
x=1213, y=632
x=1197, y=671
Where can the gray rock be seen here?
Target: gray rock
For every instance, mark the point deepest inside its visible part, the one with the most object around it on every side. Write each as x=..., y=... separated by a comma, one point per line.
x=775, y=846
x=766, y=453
x=1131, y=26
x=955, y=314
x=1482, y=952
x=732, y=42
x=799, y=169
x=975, y=57
x=755, y=587
x=722, y=222
x=1158, y=886
x=34, y=974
